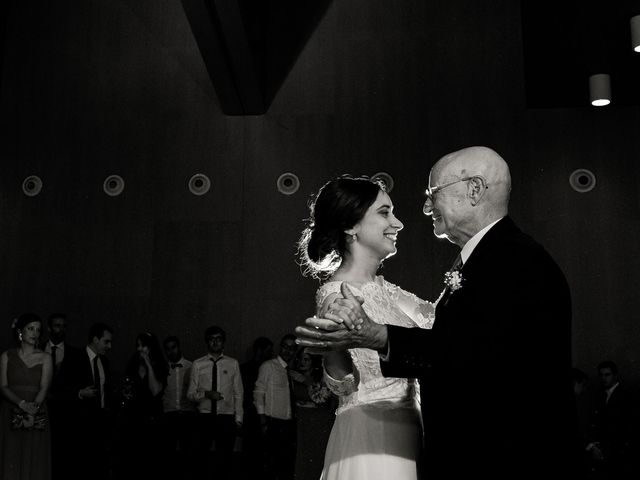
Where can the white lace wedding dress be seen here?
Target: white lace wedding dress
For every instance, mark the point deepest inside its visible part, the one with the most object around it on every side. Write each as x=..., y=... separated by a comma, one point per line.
x=377, y=432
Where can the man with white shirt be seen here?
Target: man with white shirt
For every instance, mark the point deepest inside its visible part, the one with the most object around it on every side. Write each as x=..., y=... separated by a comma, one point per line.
x=506, y=305
x=216, y=387
x=179, y=412
x=274, y=403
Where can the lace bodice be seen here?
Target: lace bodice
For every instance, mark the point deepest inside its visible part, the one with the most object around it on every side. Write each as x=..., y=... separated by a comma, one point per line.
x=384, y=303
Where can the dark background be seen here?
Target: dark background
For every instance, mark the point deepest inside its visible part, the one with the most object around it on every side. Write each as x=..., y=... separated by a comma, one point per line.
x=92, y=88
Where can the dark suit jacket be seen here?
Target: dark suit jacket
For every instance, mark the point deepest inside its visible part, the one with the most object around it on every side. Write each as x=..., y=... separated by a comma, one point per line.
x=59, y=394
x=58, y=384
x=494, y=369
x=613, y=424
x=78, y=374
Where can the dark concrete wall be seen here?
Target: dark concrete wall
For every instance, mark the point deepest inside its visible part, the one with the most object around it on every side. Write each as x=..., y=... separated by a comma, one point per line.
x=92, y=88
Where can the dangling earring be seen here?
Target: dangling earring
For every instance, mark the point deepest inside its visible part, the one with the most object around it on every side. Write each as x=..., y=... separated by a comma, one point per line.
x=354, y=237
x=20, y=336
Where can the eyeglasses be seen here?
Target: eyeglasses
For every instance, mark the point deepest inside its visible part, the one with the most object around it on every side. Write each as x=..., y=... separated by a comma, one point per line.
x=431, y=191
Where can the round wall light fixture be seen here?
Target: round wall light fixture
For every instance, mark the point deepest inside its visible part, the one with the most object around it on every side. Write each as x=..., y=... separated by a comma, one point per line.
x=288, y=183
x=113, y=185
x=582, y=180
x=199, y=184
x=385, y=178
x=32, y=185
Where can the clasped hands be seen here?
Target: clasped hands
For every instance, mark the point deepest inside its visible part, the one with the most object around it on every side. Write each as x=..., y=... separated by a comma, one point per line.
x=30, y=408
x=344, y=325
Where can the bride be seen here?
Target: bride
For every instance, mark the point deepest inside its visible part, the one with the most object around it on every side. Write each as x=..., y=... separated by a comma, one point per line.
x=377, y=432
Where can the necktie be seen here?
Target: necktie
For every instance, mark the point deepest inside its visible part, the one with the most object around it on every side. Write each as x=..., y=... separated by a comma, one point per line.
x=96, y=380
x=214, y=385
x=54, y=349
x=176, y=365
x=292, y=397
x=457, y=264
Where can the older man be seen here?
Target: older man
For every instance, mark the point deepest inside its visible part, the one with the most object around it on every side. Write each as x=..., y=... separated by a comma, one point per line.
x=496, y=396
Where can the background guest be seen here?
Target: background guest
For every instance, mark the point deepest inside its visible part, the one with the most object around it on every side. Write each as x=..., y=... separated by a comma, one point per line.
x=179, y=412
x=25, y=376
x=262, y=350
x=141, y=408
x=216, y=386
x=91, y=403
x=611, y=440
x=315, y=413
x=62, y=354
x=273, y=395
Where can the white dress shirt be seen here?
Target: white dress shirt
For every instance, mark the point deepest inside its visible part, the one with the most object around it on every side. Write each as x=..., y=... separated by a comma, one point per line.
x=610, y=391
x=175, y=398
x=271, y=395
x=229, y=384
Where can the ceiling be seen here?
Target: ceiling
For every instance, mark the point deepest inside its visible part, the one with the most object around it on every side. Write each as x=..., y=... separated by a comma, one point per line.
x=566, y=41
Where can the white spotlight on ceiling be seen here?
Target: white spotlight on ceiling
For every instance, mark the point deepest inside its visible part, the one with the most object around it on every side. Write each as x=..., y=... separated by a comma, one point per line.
x=635, y=33
x=600, y=89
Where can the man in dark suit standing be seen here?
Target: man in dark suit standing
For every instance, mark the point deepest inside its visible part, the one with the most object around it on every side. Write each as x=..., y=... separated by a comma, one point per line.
x=610, y=447
x=58, y=402
x=89, y=394
x=496, y=392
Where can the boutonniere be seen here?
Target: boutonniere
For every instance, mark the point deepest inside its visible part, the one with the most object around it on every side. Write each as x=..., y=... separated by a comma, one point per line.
x=453, y=280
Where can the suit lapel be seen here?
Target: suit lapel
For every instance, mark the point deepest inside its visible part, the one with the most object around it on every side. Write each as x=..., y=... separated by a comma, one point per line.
x=492, y=239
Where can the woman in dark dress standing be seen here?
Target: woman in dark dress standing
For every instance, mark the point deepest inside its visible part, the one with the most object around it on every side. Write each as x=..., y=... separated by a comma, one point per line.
x=25, y=376
x=315, y=413
x=141, y=408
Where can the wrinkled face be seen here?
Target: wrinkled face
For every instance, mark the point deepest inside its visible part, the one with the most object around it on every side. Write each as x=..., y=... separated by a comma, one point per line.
x=31, y=333
x=215, y=343
x=288, y=349
x=447, y=206
x=172, y=351
x=607, y=377
x=305, y=362
x=57, y=330
x=378, y=229
x=102, y=345
x=140, y=347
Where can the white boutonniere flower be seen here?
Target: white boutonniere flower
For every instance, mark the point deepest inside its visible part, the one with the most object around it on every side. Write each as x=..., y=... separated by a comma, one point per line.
x=453, y=280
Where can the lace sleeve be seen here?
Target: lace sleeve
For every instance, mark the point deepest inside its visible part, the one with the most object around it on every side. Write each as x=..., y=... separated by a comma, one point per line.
x=422, y=312
x=324, y=291
x=346, y=386
x=350, y=382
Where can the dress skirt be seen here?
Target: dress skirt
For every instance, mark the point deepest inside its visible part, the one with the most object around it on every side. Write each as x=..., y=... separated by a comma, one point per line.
x=371, y=442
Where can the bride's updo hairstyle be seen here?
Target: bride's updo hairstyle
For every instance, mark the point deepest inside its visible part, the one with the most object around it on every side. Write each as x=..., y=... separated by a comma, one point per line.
x=338, y=206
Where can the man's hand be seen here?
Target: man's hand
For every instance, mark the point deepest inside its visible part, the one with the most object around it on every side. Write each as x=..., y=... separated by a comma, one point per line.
x=213, y=395
x=264, y=424
x=346, y=326
x=88, y=392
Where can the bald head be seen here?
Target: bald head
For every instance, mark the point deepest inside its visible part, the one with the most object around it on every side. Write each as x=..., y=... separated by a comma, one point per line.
x=477, y=184
x=484, y=162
